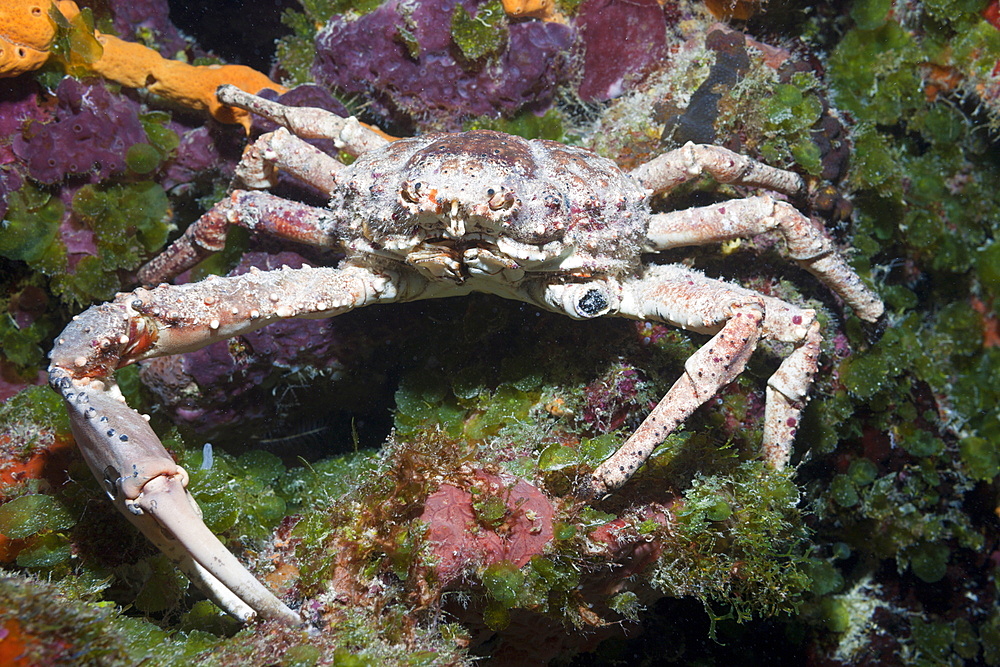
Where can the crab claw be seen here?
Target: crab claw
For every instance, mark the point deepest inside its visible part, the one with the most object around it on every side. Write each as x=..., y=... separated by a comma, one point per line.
x=143, y=481
x=178, y=519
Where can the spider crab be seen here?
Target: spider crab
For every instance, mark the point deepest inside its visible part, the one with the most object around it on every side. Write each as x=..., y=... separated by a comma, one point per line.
x=435, y=216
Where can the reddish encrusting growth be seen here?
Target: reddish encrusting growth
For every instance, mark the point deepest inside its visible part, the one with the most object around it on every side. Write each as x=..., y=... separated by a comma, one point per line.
x=460, y=540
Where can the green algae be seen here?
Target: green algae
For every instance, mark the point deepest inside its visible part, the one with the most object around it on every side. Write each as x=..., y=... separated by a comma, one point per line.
x=75, y=44
x=45, y=550
x=627, y=604
x=237, y=494
x=870, y=14
x=22, y=344
x=33, y=513
x=929, y=561
x=504, y=582
x=128, y=221
x=549, y=125
x=862, y=472
x=295, y=51
x=464, y=402
x=31, y=224
x=482, y=35
x=741, y=544
x=869, y=63
x=981, y=458
x=824, y=577
x=161, y=137
x=843, y=491
x=788, y=118
x=34, y=418
x=142, y=158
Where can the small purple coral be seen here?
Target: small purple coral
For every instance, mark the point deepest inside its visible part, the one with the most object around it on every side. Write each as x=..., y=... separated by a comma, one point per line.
x=402, y=57
x=91, y=134
x=18, y=104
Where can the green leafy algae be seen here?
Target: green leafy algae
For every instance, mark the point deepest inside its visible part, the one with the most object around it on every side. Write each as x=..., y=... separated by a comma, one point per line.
x=32, y=513
x=482, y=35
x=741, y=544
x=128, y=221
x=142, y=158
x=22, y=345
x=33, y=418
x=31, y=224
x=236, y=494
x=75, y=44
x=528, y=125
x=504, y=582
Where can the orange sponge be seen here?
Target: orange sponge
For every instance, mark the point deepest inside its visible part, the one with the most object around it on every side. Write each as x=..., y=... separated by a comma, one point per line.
x=29, y=30
x=26, y=35
x=136, y=66
x=536, y=9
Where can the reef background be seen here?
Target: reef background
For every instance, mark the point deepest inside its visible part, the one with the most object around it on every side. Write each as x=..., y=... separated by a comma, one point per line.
x=405, y=473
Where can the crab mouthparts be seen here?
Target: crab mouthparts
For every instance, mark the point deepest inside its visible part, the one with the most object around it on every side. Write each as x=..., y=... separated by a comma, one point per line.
x=459, y=245
x=456, y=223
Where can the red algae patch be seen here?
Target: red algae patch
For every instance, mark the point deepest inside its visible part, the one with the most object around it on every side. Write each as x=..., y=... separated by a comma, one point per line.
x=496, y=518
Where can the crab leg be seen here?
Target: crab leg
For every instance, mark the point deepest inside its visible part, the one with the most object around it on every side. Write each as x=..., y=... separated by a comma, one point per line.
x=738, y=318
x=257, y=211
x=672, y=168
x=261, y=160
x=123, y=451
x=308, y=122
x=742, y=218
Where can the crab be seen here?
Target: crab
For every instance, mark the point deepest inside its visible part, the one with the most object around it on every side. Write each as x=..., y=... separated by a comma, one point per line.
x=436, y=216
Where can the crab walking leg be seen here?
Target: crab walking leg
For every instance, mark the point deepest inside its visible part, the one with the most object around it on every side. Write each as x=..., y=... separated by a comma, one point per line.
x=691, y=160
x=282, y=150
x=742, y=218
x=738, y=318
x=788, y=388
x=254, y=210
x=308, y=122
x=123, y=451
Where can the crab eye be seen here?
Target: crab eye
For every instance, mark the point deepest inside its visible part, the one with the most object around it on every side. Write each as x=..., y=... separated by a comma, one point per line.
x=411, y=191
x=500, y=200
